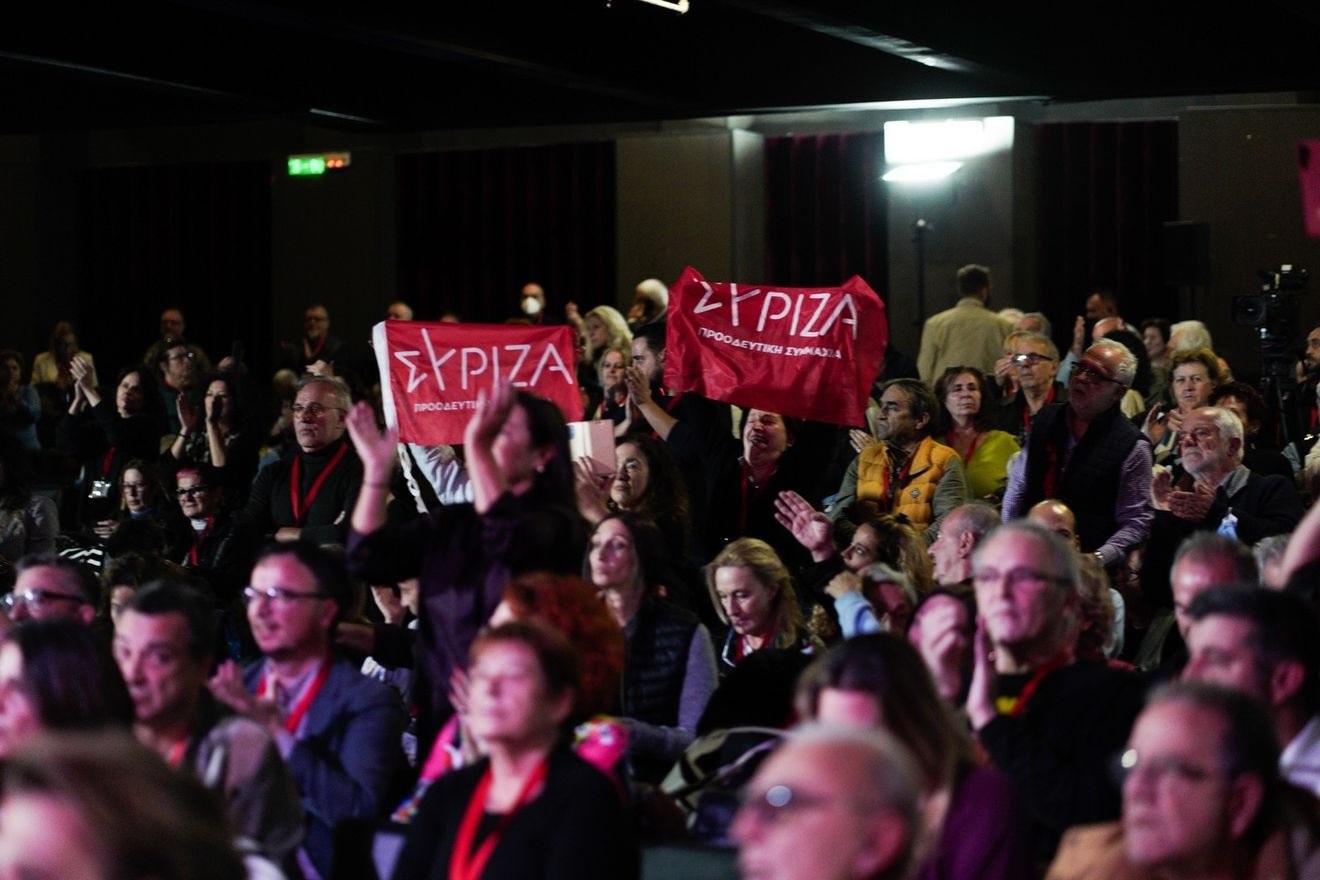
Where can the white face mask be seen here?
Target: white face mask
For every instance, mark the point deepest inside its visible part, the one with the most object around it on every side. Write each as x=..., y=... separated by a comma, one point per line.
x=531, y=305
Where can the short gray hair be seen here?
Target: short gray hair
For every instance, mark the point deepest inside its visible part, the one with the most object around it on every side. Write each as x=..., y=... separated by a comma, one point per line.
x=1046, y=328
x=1229, y=425
x=1029, y=336
x=1127, y=361
x=1190, y=334
x=1068, y=569
x=888, y=772
x=337, y=386
x=976, y=517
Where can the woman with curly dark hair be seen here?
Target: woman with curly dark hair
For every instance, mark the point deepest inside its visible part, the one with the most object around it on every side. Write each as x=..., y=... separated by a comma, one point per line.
x=646, y=481
x=967, y=418
x=217, y=434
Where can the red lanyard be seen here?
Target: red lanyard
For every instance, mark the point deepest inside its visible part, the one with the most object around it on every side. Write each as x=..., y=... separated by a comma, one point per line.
x=105, y=463
x=976, y=441
x=465, y=864
x=1029, y=690
x=199, y=538
x=1026, y=410
x=320, y=344
x=296, y=716
x=302, y=505
x=902, y=475
x=175, y=757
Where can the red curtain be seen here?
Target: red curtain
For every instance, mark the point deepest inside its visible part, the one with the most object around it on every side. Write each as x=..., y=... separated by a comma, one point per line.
x=475, y=225
x=1103, y=192
x=825, y=210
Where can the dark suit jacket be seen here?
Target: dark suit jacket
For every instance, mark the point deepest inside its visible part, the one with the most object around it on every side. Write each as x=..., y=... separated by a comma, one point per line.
x=344, y=761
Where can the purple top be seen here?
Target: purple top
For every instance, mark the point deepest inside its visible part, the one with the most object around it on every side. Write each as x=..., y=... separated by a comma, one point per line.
x=985, y=833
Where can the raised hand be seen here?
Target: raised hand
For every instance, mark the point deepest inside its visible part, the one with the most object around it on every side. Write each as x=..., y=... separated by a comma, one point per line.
x=592, y=490
x=492, y=412
x=809, y=526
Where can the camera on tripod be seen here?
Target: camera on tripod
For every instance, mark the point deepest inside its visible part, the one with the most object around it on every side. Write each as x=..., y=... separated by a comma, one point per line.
x=1274, y=312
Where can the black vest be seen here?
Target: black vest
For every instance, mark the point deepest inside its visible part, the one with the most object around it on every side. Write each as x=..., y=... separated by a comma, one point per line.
x=657, y=662
x=1089, y=484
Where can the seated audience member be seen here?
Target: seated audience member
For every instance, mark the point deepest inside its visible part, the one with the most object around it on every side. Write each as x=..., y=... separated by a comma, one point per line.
x=337, y=729
x=142, y=496
x=20, y=406
x=218, y=436
x=1269, y=553
x=887, y=541
x=103, y=807
x=1217, y=493
x=906, y=472
x=1098, y=595
x=832, y=803
x=879, y=598
x=49, y=585
x=974, y=824
x=522, y=519
x=54, y=366
x=942, y=629
x=1246, y=403
x=1194, y=376
x=960, y=534
x=177, y=370
x=1048, y=721
x=1189, y=335
x=558, y=816
x=1085, y=454
x=105, y=434
x=308, y=495
x=753, y=593
x=1262, y=642
x=967, y=425
x=1033, y=365
x=647, y=482
x=573, y=607
x=122, y=577
x=222, y=545
x=29, y=522
x=1202, y=798
x=614, y=388
x=669, y=671
x=164, y=647
x=604, y=329
x=316, y=345
x=57, y=675
x=739, y=479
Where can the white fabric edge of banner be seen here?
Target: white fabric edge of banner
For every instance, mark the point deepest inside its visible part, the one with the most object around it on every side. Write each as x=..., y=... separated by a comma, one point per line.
x=381, y=347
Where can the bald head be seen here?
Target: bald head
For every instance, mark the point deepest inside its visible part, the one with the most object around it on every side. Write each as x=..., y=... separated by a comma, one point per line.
x=1058, y=518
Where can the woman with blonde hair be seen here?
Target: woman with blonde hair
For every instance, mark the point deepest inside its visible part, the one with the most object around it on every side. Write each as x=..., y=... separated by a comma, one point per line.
x=604, y=329
x=753, y=593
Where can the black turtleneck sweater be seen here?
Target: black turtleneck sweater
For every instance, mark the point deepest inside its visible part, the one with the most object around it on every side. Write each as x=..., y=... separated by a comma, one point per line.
x=270, y=505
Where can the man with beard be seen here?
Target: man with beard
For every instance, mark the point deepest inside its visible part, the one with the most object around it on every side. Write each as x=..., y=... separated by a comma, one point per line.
x=906, y=471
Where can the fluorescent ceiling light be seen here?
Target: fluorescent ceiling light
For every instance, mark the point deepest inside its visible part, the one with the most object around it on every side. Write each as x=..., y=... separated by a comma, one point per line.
x=919, y=172
x=947, y=140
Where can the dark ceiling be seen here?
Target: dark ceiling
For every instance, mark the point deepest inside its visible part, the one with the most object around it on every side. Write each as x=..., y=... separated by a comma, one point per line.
x=393, y=66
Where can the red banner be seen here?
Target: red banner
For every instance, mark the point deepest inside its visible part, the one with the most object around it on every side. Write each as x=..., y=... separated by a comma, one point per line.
x=430, y=373
x=810, y=352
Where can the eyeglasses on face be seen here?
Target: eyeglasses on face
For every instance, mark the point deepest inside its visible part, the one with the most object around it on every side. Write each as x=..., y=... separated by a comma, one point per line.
x=190, y=491
x=277, y=594
x=1084, y=372
x=1015, y=577
x=780, y=802
x=1030, y=359
x=36, y=599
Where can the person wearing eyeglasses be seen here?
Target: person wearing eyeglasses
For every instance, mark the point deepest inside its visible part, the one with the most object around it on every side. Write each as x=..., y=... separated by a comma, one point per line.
x=177, y=365
x=338, y=730
x=832, y=803
x=1202, y=798
x=310, y=494
x=1033, y=366
x=1087, y=455
x=1047, y=719
x=223, y=545
x=48, y=586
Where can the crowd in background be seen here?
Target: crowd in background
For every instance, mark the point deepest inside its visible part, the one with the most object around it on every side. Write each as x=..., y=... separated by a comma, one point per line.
x=1046, y=613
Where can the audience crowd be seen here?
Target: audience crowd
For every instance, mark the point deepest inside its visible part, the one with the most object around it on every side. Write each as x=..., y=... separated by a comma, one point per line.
x=1037, y=617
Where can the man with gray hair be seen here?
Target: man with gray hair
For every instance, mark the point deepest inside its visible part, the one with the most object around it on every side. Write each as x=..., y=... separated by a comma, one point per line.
x=1085, y=454
x=1216, y=493
x=310, y=494
x=1033, y=366
x=1048, y=721
x=959, y=534
x=831, y=803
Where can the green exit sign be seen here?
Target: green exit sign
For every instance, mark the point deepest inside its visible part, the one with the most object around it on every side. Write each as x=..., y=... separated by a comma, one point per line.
x=318, y=163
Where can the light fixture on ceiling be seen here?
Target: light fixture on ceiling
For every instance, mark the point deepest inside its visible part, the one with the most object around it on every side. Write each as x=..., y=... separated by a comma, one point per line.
x=679, y=6
x=928, y=151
